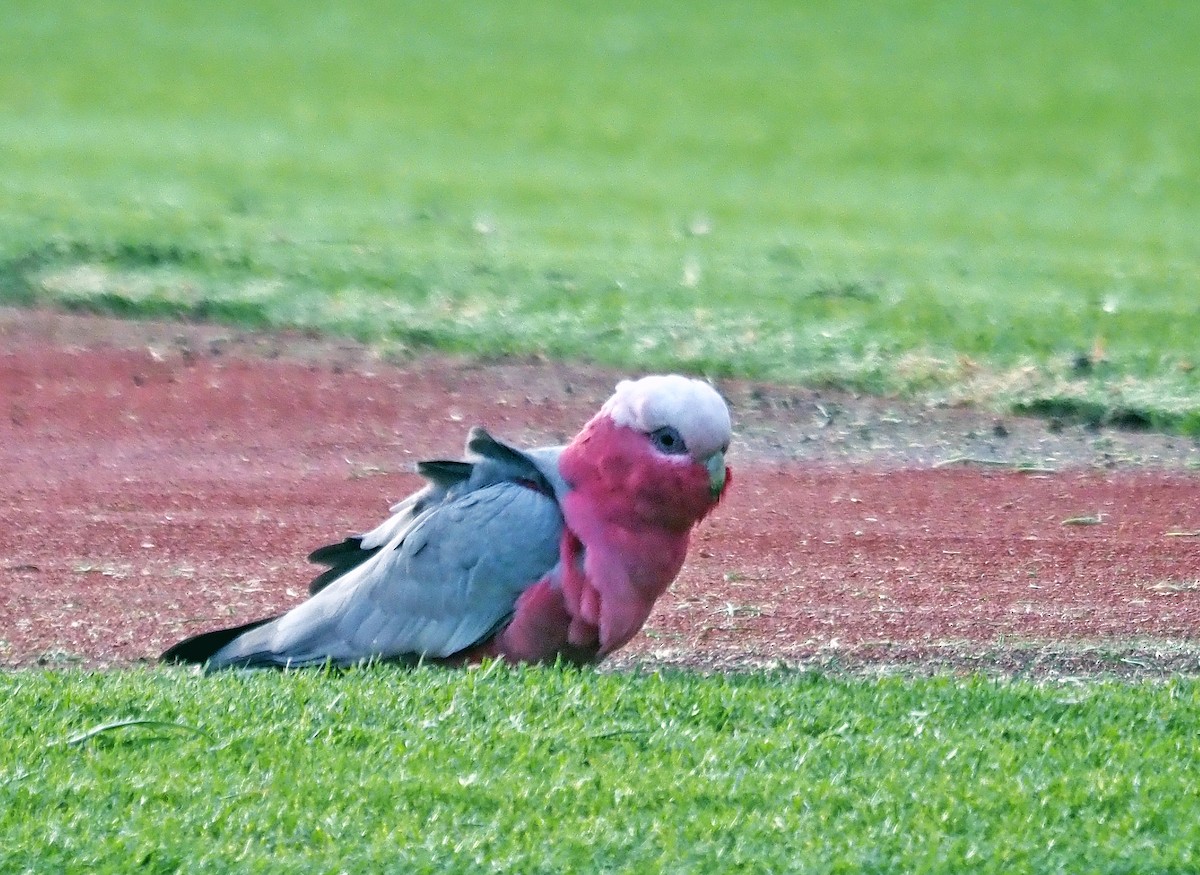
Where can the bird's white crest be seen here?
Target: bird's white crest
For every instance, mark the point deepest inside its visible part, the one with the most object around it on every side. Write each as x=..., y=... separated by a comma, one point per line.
x=694, y=408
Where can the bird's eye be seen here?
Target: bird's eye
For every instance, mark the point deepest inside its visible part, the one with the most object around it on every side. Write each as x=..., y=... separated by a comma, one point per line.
x=668, y=440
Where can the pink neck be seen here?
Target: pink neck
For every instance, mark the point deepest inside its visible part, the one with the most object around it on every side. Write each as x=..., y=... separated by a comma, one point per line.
x=632, y=510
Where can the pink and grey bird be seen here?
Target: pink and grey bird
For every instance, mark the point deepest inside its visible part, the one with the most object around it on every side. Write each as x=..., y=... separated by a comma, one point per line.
x=529, y=555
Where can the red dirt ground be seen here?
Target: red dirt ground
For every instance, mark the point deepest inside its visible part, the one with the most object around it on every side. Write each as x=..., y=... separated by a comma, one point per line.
x=160, y=480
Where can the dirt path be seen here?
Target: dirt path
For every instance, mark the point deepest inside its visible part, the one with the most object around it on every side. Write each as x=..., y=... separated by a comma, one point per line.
x=156, y=480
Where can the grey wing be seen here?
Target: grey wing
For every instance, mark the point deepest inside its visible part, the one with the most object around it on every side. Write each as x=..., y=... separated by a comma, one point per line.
x=447, y=480
x=446, y=583
x=488, y=461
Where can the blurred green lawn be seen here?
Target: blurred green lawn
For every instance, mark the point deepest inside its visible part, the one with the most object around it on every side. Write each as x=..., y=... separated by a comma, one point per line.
x=993, y=202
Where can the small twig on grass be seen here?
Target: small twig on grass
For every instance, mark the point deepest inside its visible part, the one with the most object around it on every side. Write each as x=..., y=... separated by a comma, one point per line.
x=359, y=470
x=1019, y=467
x=97, y=731
x=617, y=733
x=1182, y=535
x=1093, y=520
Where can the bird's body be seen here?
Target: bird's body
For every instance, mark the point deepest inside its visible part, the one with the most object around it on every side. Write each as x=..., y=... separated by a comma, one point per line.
x=530, y=555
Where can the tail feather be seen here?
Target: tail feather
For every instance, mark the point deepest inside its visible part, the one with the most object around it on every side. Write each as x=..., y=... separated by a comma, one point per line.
x=199, y=649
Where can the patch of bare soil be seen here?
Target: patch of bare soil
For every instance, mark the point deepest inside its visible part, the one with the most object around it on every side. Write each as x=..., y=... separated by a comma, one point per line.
x=162, y=479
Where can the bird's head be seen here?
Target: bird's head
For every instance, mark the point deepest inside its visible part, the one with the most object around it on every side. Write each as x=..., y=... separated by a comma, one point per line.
x=660, y=441
x=684, y=421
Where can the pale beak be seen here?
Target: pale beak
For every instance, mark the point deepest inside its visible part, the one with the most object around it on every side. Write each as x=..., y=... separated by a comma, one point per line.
x=716, y=474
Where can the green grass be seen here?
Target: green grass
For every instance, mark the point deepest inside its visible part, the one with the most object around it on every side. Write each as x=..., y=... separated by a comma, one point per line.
x=954, y=199
x=551, y=771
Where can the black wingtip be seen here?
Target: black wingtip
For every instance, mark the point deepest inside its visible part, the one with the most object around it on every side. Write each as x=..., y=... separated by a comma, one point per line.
x=445, y=472
x=334, y=554
x=340, y=557
x=199, y=649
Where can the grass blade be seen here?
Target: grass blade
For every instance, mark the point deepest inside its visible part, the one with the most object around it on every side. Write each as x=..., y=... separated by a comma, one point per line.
x=104, y=728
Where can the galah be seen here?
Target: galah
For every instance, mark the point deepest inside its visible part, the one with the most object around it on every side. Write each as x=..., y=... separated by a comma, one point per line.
x=528, y=555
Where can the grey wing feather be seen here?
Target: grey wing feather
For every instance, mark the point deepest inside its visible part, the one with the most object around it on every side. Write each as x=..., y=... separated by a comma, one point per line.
x=494, y=460
x=487, y=461
x=443, y=584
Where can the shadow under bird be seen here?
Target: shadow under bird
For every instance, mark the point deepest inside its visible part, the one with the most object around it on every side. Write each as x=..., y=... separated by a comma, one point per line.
x=530, y=555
